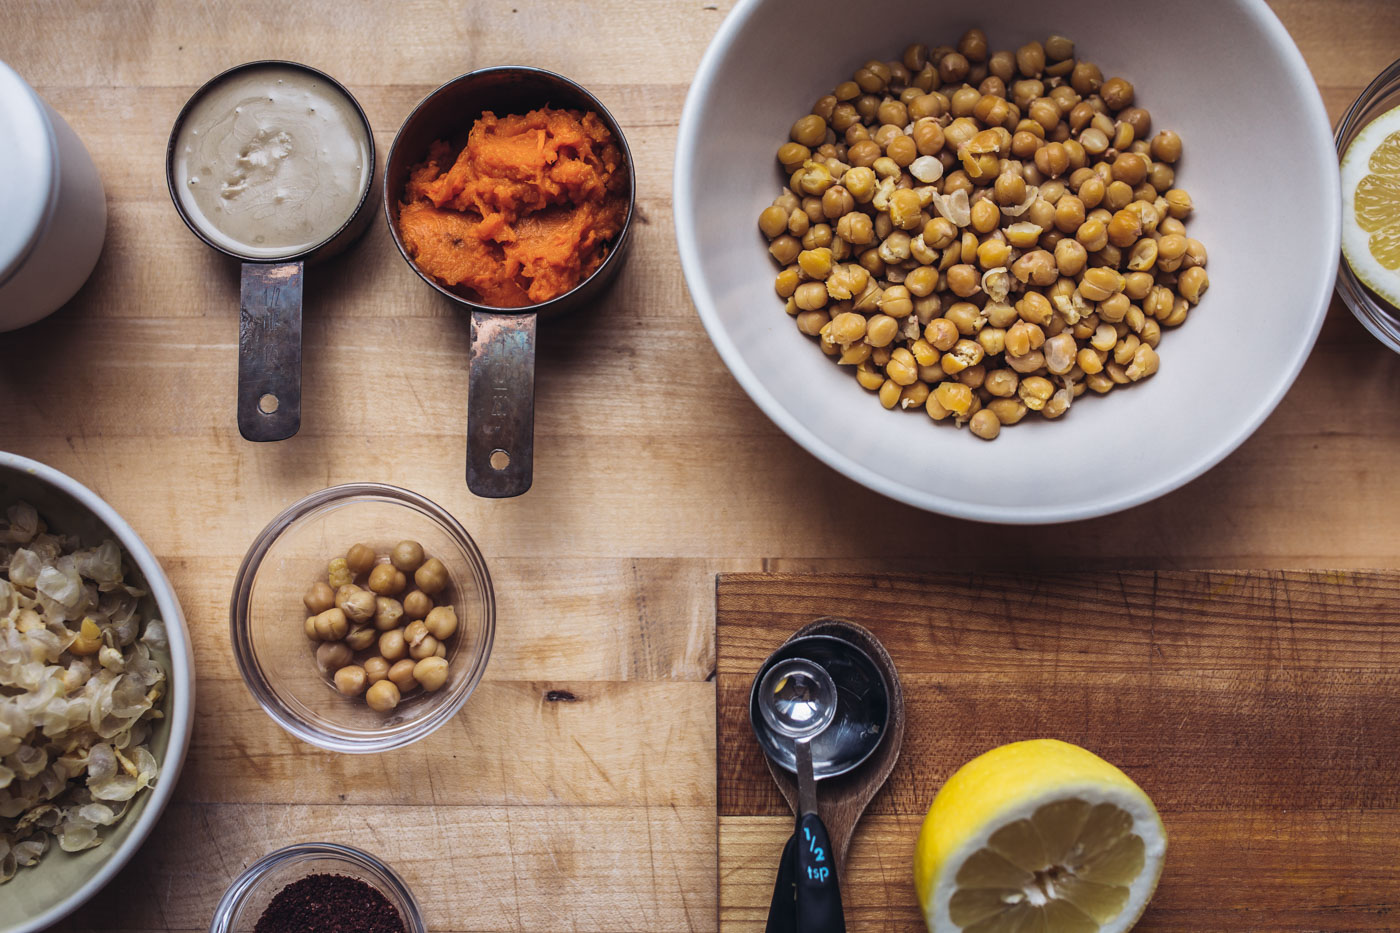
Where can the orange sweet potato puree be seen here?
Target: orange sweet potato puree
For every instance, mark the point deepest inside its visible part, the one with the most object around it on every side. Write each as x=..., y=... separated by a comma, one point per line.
x=524, y=213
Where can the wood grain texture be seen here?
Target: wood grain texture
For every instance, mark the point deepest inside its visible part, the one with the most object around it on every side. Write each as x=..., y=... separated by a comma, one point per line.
x=1255, y=708
x=654, y=471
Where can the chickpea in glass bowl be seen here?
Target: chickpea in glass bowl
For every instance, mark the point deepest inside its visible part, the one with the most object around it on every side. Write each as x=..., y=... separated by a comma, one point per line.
x=296, y=683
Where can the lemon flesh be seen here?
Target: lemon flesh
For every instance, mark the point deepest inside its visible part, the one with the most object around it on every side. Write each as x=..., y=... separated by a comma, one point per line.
x=1038, y=837
x=1371, y=206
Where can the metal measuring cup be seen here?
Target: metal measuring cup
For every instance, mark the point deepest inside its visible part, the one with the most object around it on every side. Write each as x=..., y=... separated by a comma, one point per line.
x=270, y=288
x=501, y=381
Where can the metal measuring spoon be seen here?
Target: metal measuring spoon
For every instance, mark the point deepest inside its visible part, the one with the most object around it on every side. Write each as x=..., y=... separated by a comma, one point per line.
x=797, y=699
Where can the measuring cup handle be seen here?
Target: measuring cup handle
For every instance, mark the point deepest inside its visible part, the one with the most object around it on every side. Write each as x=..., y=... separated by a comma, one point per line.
x=818, y=889
x=269, y=350
x=501, y=405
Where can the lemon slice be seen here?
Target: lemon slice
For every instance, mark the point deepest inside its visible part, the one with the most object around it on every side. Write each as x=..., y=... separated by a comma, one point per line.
x=1371, y=206
x=1038, y=837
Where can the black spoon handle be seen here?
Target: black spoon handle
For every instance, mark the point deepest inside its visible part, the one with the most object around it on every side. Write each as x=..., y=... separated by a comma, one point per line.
x=818, y=889
x=782, y=912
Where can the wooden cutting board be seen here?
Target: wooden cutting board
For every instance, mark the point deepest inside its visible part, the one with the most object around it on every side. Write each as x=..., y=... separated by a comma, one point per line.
x=1258, y=709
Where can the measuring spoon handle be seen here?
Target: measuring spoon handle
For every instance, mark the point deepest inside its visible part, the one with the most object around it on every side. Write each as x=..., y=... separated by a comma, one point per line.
x=501, y=405
x=818, y=889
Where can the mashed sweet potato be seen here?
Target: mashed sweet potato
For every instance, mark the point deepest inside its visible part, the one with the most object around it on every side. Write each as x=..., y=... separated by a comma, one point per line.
x=524, y=213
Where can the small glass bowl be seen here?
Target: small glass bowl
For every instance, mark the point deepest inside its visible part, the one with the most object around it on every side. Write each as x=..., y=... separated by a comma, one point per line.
x=267, y=617
x=1378, y=316
x=246, y=899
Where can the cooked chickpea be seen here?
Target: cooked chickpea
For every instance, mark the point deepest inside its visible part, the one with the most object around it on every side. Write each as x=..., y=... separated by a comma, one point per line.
x=1086, y=78
x=392, y=646
x=1124, y=229
x=417, y=604
x=809, y=131
x=953, y=67
x=441, y=622
x=1070, y=257
x=432, y=577
x=1116, y=93
x=376, y=669
x=902, y=369
x=357, y=604
x=385, y=580
x=382, y=696
x=361, y=638
x=331, y=625
x=1193, y=283
x=1036, y=267
x=1068, y=218
x=431, y=673
x=1166, y=146
x=985, y=424
x=415, y=632
x=954, y=396
x=338, y=572
x=973, y=45
x=333, y=655
x=387, y=613
x=963, y=280
x=401, y=675
x=1130, y=168
x=1052, y=159
x=1178, y=203
x=1030, y=59
x=360, y=558
x=426, y=648
x=791, y=156
x=351, y=680
x=321, y=597
x=407, y=556
x=1069, y=214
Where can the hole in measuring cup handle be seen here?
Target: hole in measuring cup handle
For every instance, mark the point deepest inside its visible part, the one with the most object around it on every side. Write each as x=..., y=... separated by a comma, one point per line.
x=499, y=459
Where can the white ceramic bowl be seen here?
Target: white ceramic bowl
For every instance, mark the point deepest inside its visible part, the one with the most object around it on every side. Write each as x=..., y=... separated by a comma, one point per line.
x=1258, y=162
x=40, y=896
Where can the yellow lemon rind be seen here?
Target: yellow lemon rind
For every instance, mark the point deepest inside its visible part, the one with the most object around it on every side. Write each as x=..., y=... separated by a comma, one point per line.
x=1010, y=783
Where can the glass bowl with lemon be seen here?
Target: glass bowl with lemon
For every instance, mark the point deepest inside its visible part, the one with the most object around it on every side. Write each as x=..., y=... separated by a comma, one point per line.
x=1368, y=143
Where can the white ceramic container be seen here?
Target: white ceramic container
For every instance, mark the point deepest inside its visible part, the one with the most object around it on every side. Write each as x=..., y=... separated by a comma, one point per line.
x=1258, y=162
x=53, y=207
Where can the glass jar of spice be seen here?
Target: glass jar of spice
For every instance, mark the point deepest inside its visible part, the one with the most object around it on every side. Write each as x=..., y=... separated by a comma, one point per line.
x=252, y=902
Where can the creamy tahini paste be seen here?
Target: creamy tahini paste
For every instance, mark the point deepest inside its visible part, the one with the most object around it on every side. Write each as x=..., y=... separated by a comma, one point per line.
x=271, y=161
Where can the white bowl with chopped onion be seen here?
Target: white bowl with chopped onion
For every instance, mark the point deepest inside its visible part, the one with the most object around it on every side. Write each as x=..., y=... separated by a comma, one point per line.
x=96, y=693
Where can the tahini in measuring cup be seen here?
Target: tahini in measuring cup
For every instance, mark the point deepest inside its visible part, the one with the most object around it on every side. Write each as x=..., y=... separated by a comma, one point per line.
x=271, y=163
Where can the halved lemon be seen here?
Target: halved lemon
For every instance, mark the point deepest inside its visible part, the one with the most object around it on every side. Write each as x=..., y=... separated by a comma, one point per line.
x=1038, y=837
x=1371, y=205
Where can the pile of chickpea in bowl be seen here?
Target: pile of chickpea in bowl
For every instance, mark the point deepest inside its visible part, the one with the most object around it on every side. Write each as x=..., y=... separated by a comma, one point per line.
x=368, y=641
x=984, y=234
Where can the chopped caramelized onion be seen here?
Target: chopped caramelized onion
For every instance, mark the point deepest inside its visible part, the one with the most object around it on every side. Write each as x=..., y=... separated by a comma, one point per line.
x=78, y=689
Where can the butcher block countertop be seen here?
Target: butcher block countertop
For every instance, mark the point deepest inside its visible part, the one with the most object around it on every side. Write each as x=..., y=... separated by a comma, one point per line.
x=577, y=789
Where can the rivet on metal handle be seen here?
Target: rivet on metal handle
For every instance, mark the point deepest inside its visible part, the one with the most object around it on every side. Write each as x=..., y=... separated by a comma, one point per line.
x=269, y=351
x=501, y=405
